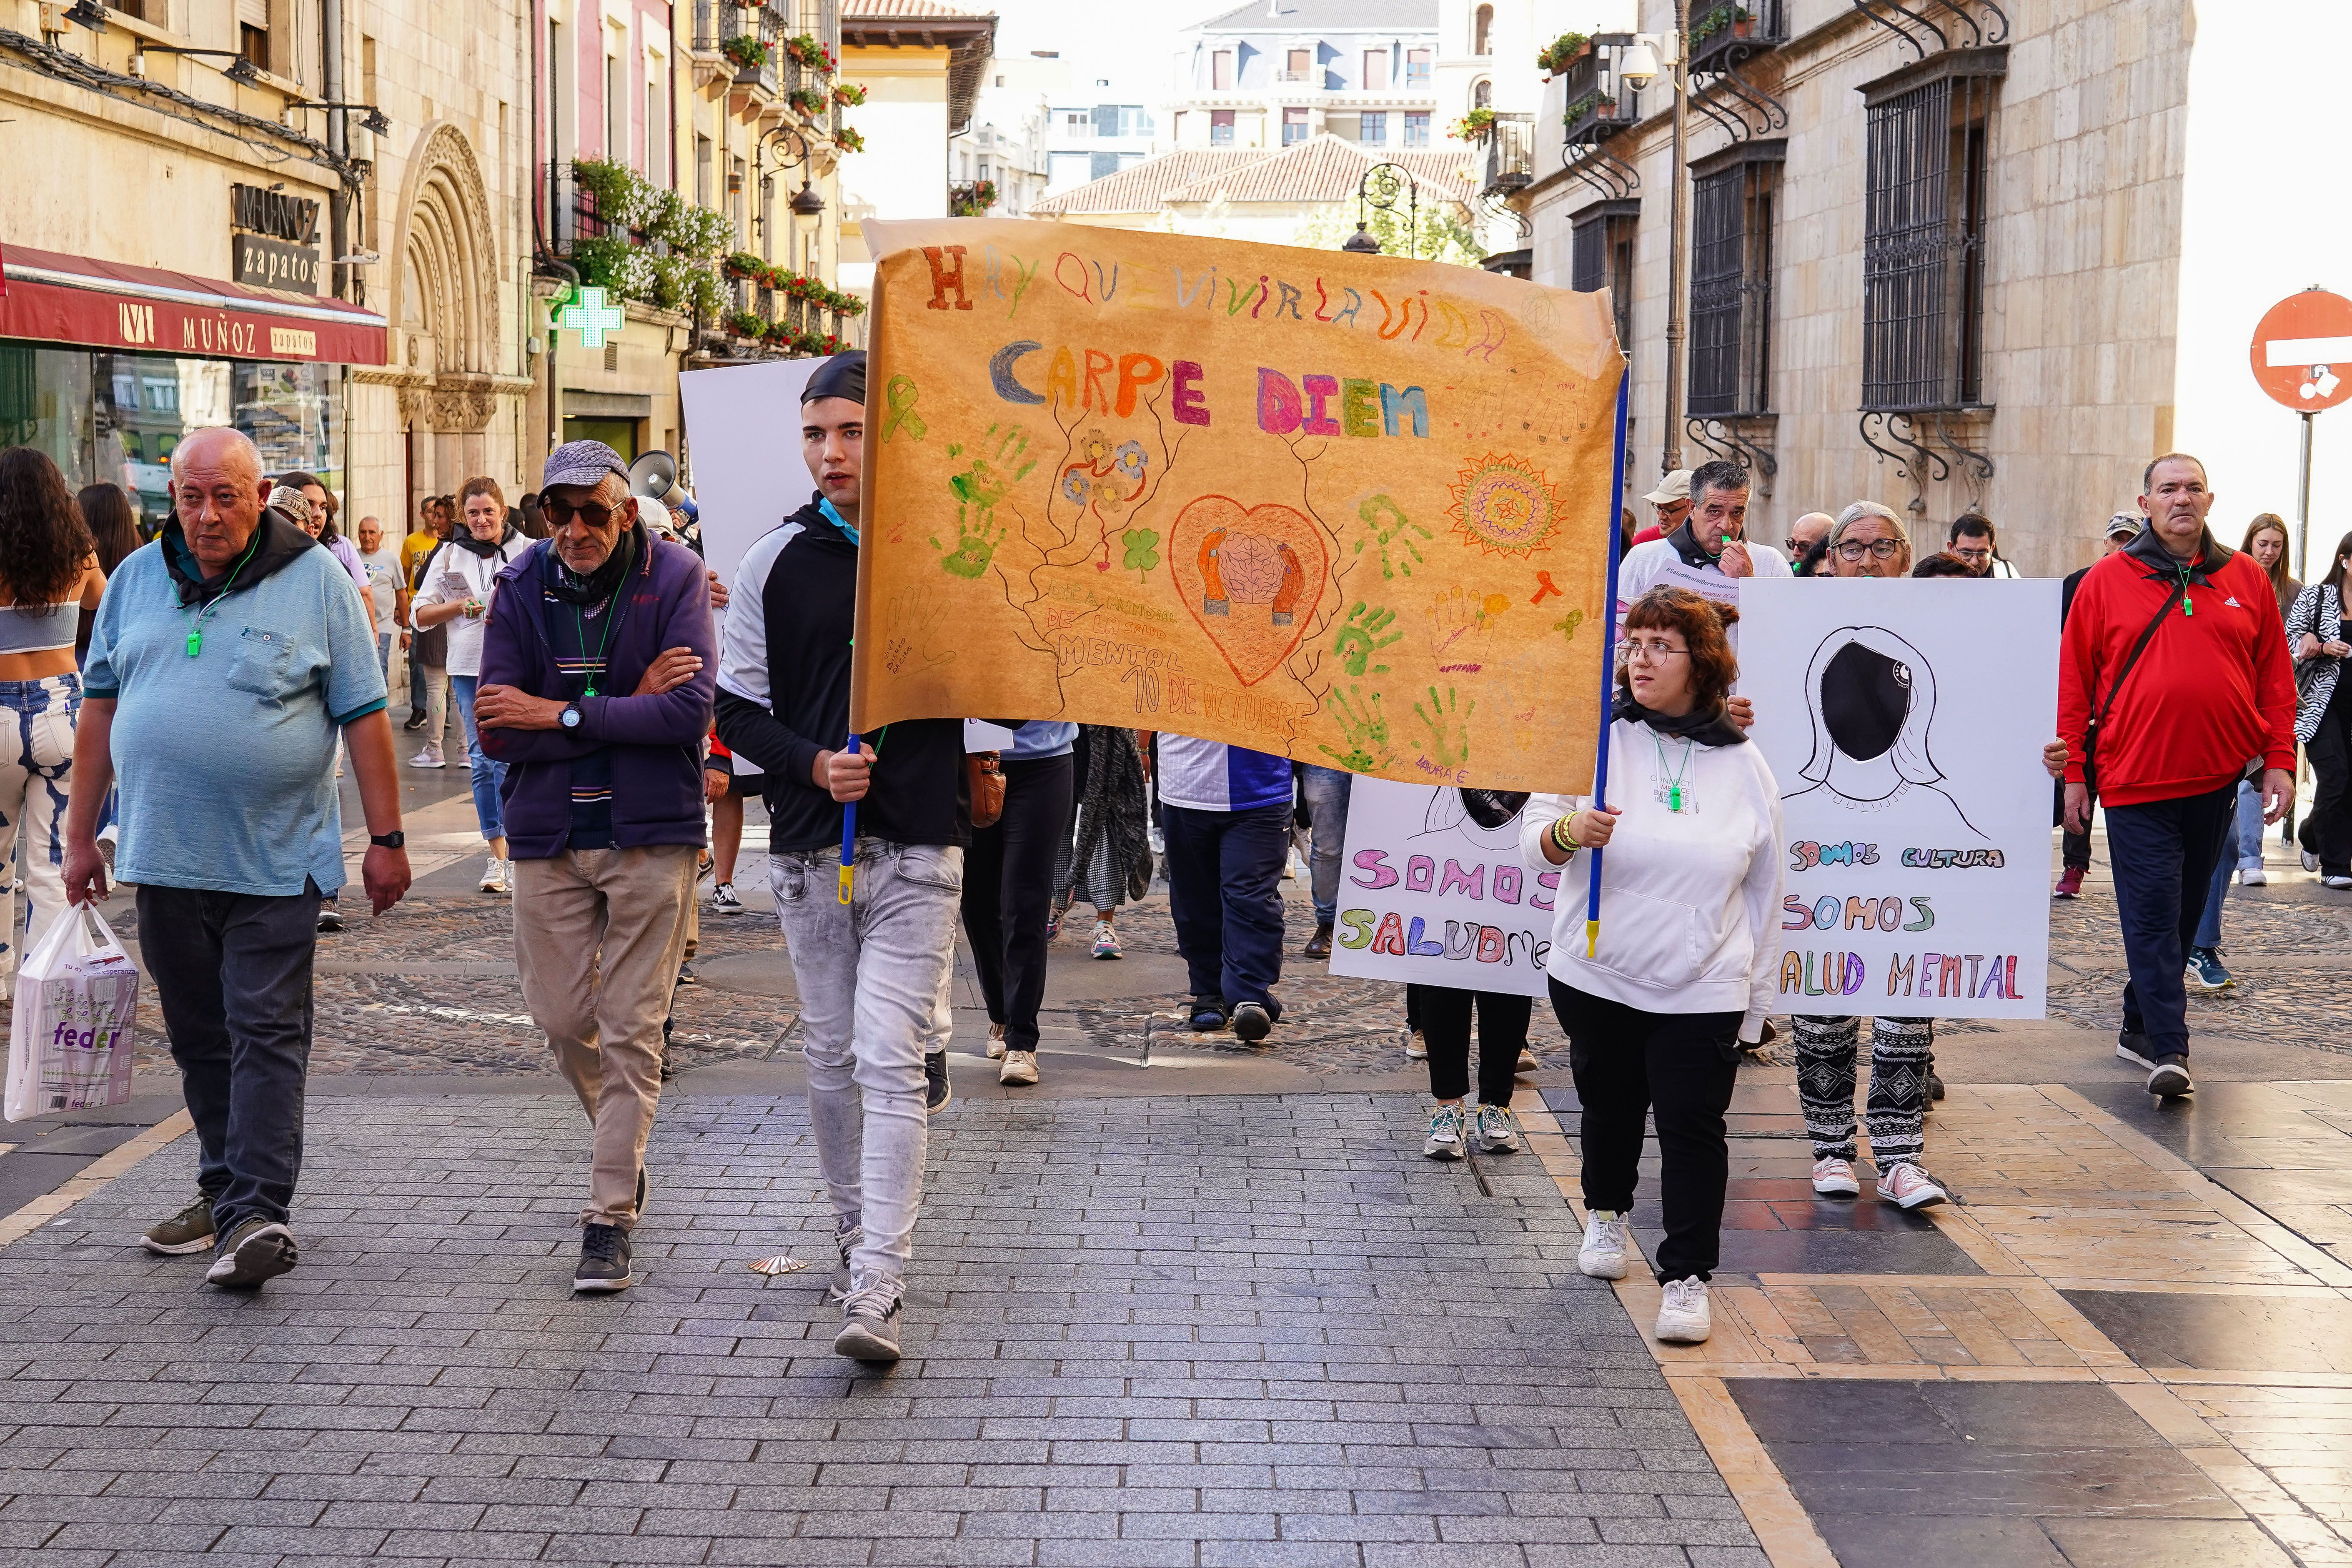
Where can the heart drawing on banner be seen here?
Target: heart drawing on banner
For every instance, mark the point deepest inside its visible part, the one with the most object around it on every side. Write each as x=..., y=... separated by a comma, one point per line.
x=1249, y=576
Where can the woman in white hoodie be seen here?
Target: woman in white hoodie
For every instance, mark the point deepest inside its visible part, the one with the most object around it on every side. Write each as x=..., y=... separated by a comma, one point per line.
x=1690, y=890
x=454, y=590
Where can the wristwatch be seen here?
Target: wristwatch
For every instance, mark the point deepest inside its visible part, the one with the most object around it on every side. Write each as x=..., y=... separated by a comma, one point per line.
x=395, y=840
x=569, y=717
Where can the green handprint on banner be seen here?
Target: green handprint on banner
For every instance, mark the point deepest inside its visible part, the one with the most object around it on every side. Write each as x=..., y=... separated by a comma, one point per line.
x=1360, y=639
x=1397, y=531
x=1363, y=727
x=1446, y=747
x=976, y=544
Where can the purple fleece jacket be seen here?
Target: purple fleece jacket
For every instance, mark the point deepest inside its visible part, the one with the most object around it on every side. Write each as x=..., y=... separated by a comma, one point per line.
x=656, y=742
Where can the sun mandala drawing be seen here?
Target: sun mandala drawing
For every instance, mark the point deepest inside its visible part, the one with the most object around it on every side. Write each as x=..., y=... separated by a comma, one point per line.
x=1506, y=504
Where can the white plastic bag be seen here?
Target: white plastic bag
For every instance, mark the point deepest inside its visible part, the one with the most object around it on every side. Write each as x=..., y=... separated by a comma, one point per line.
x=70, y=1043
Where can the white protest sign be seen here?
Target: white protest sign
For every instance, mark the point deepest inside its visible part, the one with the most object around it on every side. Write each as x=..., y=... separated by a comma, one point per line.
x=743, y=433
x=1433, y=891
x=1904, y=720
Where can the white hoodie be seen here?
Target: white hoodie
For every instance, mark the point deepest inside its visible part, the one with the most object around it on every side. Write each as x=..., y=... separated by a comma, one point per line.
x=1690, y=901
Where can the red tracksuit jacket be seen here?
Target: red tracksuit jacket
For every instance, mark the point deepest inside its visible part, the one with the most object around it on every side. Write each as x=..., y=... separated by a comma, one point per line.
x=2213, y=690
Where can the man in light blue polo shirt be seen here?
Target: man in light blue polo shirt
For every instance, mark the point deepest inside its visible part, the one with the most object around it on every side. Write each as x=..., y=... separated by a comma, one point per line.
x=226, y=657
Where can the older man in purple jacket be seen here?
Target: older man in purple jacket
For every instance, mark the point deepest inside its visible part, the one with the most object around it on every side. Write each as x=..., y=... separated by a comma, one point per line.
x=597, y=676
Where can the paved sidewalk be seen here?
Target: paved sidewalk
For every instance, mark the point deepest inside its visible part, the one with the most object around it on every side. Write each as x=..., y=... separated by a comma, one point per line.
x=1195, y=1330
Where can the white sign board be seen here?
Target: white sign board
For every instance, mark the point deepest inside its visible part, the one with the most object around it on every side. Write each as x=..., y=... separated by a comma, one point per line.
x=1904, y=719
x=1433, y=891
x=743, y=437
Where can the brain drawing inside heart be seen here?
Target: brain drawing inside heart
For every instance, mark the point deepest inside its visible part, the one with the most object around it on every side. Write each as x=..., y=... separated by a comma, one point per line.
x=1249, y=576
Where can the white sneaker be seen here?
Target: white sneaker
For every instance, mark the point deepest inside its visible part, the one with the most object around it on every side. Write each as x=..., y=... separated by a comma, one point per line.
x=2253, y=876
x=1498, y=1130
x=2310, y=860
x=1908, y=1186
x=1602, y=1255
x=506, y=876
x=2339, y=882
x=1449, y=1131
x=1834, y=1178
x=494, y=876
x=430, y=757
x=996, y=1042
x=1682, y=1316
x=1020, y=1067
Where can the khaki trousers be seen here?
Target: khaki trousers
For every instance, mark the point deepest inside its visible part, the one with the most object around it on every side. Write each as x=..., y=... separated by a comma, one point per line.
x=598, y=935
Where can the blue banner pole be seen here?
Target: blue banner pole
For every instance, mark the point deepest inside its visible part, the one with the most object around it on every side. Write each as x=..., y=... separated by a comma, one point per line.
x=1608, y=662
x=849, y=816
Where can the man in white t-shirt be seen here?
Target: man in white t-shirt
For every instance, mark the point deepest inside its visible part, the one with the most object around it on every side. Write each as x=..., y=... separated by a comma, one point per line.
x=1709, y=554
x=386, y=587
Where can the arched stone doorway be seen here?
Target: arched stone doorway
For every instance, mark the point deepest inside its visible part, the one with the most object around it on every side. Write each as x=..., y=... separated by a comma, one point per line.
x=444, y=314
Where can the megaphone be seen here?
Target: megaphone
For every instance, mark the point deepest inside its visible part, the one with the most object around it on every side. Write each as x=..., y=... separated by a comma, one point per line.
x=655, y=477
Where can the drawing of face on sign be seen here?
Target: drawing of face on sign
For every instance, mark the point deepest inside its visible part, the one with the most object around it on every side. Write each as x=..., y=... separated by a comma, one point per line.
x=1486, y=817
x=1249, y=576
x=1872, y=699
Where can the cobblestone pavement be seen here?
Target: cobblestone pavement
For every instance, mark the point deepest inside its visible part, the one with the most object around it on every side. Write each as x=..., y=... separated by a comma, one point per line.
x=1197, y=1330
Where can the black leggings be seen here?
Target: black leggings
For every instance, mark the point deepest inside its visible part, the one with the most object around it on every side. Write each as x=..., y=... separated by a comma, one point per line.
x=1444, y=1015
x=1680, y=1067
x=1008, y=893
x=2327, y=831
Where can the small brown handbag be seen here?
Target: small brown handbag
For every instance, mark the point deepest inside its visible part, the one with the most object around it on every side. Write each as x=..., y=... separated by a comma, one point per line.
x=987, y=787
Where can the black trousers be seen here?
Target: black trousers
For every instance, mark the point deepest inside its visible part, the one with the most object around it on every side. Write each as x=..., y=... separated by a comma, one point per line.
x=1444, y=1016
x=232, y=974
x=1008, y=893
x=2074, y=848
x=2327, y=831
x=1679, y=1068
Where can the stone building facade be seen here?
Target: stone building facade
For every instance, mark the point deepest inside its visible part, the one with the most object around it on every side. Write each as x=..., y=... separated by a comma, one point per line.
x=1993, y=259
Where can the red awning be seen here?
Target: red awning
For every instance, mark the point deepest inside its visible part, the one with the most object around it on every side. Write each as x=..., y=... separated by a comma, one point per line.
x=75, y=300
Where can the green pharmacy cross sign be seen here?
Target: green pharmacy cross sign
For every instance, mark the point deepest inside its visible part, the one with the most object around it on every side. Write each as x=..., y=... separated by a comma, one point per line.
x=592, y=317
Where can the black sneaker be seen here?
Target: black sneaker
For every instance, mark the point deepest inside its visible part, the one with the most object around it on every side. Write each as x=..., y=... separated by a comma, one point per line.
x=190, y=1230
x=331, y=918
x=869, y=1320
x=2169, y=1079
x=1208, y=1013
x=1252, y=1023
x=643, y=1188
x=936, y=1092
x=604, y=1259
x=416, y=720
x=253, y=1250
x=1934, y=1087
x=2135, y=1048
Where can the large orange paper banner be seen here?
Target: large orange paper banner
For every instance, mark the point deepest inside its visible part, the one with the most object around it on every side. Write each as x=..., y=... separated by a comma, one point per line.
x=1350, y=510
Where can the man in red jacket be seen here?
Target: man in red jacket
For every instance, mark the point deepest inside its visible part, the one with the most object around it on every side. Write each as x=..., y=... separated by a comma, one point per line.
x=2163, y=739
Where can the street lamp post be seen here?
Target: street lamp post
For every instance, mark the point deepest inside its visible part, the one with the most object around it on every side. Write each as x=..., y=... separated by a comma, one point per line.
x=1385, y=198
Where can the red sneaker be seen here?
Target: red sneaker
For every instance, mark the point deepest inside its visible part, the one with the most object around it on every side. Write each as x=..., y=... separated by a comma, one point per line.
x=2070, y=885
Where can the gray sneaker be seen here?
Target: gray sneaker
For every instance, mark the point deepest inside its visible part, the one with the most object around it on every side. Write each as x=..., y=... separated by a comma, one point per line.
x=1498, y=1130
x=846, y=1242
x=190, y=1230
x=869, y=1320
x=254, y=1250
x=1448, y=1133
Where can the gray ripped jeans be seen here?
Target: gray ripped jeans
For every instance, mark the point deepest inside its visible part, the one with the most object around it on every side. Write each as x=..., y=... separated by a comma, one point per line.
x=870, y=974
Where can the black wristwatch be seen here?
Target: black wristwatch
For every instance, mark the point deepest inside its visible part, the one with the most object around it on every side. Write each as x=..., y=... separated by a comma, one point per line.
x=395, y=840
x=570, y=716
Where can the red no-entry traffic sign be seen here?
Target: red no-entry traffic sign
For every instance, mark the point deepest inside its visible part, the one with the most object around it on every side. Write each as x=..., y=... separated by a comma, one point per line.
x=2303, y=350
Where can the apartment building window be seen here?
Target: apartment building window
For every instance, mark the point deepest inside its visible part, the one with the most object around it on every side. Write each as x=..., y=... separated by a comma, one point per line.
x=1416, y=68
x=1482, y=96
x=1416, y=128
x=1372, y=130
x=1294, y=127
x=1297, y=64
x=1376, y=71
x=1221, y=70
x=1923, y=261
x=1221, y=128
x=702, y=191
x=1601, y=256
x=1482, y=32
x=1731, y=282
x=617, y=110
x=655, y=120
x=1133, y=121
x=1078, y=122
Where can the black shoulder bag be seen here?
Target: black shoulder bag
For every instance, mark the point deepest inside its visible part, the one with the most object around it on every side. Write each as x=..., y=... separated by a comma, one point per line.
x=2091, y=730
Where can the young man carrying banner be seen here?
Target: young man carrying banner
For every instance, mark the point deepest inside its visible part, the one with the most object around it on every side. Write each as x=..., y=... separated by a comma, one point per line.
x=869, y=970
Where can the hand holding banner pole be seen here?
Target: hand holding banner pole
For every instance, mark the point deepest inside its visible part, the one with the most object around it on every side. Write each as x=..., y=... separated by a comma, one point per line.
x=849, y=828
x=1608, y=666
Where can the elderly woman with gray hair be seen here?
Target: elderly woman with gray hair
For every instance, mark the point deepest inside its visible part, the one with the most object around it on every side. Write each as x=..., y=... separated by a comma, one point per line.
x=1868, y=540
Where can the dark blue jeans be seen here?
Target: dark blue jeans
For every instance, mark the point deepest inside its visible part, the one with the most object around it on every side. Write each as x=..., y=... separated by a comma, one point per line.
x=232, y=974
x=2162, y=853
x=1224, y=875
